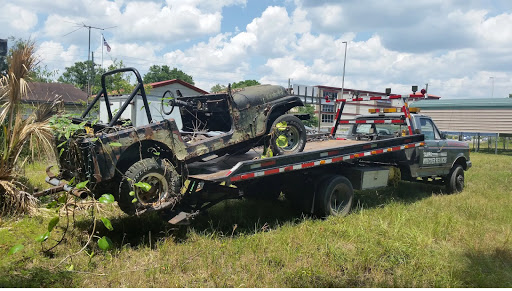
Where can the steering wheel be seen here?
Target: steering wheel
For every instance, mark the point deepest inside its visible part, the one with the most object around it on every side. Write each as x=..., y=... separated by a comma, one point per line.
x=171, y=99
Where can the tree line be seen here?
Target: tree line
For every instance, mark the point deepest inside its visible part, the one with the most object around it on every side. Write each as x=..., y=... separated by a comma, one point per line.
x=77, y=75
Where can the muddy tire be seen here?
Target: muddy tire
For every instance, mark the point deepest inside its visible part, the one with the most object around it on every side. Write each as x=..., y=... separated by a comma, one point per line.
x=334, y=196
x=455, y=180
x=295, y=134
x=162, y=176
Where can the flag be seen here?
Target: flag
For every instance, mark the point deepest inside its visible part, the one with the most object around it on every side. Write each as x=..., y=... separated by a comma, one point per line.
x=106, y=44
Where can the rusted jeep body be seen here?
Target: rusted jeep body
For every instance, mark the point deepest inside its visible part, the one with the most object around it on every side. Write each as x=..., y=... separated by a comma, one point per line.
x=213, y=124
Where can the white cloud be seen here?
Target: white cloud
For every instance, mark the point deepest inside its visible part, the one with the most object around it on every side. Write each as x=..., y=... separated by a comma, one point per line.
x=16, y=19
x=140, y=56
x=454, y=46
x=56, y=57
x=207, y=5
x=274, y=31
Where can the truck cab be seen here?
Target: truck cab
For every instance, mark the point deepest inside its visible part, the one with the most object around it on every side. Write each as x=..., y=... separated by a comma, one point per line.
x=440, y=159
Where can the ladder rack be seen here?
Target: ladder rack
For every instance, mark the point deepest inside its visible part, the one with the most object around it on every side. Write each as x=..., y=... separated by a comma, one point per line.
x=404, y=109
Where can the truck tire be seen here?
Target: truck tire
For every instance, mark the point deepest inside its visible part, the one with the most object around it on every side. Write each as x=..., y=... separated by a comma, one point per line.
x=334, y=196
x=164, y=181
x=455, y=180
x=295, y=134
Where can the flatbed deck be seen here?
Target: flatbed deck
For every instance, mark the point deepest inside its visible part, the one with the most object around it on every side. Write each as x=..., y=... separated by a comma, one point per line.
x=235, y=168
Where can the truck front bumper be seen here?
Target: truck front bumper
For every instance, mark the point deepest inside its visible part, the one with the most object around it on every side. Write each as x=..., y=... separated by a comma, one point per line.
x=468, y=165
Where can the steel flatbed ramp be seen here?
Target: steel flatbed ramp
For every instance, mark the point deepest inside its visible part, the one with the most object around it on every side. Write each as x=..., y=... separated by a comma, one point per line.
x=236, y=168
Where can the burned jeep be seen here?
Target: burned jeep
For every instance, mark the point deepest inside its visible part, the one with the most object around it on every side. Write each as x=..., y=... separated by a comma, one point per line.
x=147, y=164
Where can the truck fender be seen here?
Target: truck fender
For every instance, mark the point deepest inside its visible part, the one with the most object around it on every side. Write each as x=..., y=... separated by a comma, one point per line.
x=460, y=160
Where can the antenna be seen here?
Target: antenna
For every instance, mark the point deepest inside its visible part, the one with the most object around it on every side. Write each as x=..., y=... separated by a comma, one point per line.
x=80, y=26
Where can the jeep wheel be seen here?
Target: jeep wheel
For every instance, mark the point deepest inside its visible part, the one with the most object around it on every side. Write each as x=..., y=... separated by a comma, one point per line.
x=164, y=182
x=295, y=134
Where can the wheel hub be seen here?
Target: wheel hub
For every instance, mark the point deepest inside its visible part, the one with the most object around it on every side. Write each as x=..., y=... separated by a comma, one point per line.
x=292, y=135
x=158, y=191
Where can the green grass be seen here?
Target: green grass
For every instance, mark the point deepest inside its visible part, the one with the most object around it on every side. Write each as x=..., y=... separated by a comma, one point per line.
x=409, y=236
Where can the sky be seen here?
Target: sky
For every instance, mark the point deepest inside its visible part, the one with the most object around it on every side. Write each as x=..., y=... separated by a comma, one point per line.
x=460, y=48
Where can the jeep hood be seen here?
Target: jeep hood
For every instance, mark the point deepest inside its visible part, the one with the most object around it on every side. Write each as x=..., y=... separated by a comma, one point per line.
x=257, y=95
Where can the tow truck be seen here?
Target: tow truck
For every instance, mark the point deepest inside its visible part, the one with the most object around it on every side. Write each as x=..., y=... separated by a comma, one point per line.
x=319, y=179
x=439, y=161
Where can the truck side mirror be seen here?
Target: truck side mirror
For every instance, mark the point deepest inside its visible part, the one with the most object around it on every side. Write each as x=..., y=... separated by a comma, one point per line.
x=443, y=135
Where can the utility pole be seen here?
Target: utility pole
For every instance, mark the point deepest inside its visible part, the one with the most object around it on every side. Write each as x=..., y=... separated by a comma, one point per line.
x=89, y=27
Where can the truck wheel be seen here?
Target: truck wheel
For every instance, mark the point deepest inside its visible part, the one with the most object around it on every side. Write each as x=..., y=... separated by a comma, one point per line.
x=164, y=182
x=334, y=196
x=295, y=134
x=455, y=180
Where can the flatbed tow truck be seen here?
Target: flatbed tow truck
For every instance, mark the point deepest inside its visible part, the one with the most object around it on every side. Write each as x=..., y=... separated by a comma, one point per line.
x=321, y=179
x=318, y=177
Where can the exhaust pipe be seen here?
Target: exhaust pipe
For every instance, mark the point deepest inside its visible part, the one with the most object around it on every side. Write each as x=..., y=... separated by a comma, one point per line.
x=82, y=194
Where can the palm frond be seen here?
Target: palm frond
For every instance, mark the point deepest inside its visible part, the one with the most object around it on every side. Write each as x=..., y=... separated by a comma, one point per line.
x=18, y=132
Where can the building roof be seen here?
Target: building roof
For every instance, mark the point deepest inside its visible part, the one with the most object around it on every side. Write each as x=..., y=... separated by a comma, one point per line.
x=47, y=92
x=168, y=82
x=482, y=103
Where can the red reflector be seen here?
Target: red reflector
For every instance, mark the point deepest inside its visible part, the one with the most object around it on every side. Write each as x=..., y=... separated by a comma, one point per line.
x=247, y=176
x=338, y=159
x=269, y=163
x=273, y=171
x=307, y=165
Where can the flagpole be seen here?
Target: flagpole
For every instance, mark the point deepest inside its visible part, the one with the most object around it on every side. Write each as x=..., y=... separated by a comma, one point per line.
x=102, y=44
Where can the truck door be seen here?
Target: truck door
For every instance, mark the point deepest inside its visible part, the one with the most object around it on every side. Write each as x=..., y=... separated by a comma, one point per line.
x=433, y=156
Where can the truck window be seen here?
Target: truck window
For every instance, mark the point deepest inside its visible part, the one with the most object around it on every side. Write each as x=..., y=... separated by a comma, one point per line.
x=379, y=129
x=364, y=128
x=428, y=129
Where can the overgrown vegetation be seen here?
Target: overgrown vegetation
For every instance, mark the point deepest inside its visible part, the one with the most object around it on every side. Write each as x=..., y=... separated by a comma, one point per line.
x=409, y=236
x=16, y=132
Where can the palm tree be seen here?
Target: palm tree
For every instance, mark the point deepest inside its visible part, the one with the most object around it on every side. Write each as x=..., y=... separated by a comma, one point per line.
x=16, y=132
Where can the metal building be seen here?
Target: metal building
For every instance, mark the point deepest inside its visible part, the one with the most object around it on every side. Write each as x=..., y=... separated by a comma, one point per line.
x=491, y=117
